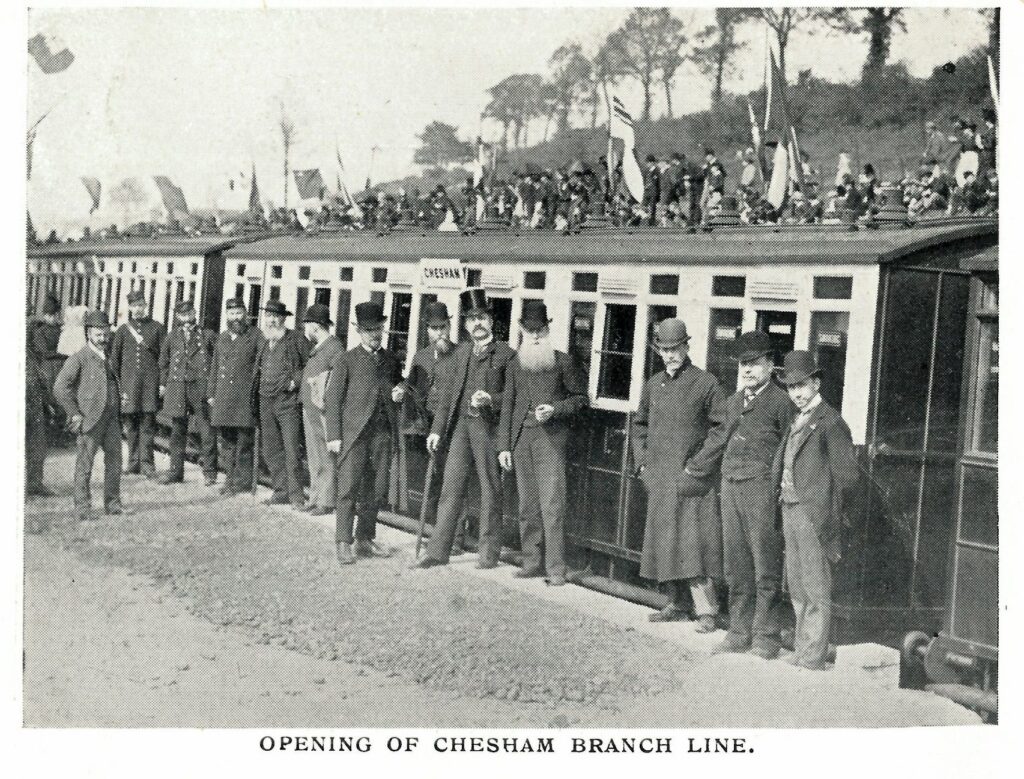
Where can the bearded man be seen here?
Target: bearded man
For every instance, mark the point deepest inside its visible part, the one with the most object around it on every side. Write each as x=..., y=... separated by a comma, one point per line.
x=544, y=391
x=230, y=391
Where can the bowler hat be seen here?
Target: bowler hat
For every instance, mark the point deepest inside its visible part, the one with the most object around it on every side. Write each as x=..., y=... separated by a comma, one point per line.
x=185, y=307
x=51, y=305
x=318, y=313
x=277, y=307
x=436, y=314
x=535, y=315
x=798, y=366
x=138, y=296
x=989, y=115
x=369, y=315
x=750, y=346
x=474, y=301
x=235, y=303
x=670, y=333
x=95, y=319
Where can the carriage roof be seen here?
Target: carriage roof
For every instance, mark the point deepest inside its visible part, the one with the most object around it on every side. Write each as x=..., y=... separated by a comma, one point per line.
x=161, y=246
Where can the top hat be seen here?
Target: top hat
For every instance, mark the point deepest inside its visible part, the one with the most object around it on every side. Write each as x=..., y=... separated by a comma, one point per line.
x=277, y=307
x=670, y=333
x=750, y=346
x=369, y=315
x=474, y=301
x=235, y=303
x=137, y=296
x=989, y=115
x=318, y=313
x=184, y=307
x=436, y=314
x=95, y=319
x=797, y=367
x=534, y=316
x=51, y=305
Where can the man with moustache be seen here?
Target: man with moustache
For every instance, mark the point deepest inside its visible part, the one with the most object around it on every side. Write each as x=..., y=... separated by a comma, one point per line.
x=184, y=373
x=135, y=359
x=466, y=420
x=543, y=393
x=758, y=417
x=230, y=392
x=326, y=347
x=86, y=387
x=362, y=432
x=678, y=437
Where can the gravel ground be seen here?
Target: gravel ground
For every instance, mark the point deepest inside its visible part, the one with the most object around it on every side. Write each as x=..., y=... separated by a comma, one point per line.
x=484, y=651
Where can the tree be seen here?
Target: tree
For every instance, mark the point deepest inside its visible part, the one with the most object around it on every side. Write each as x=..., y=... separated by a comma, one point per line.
x=782, y=22
x=642, y=46
x=515, y=100
x=878, y=24
x=717, y=46
x=569, y=80
x=441, y=147
x=287, y=127
x=602, y=76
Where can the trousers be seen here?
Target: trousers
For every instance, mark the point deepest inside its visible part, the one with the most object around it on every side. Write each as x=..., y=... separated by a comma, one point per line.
x=106, y=435
x=322, y=469
x=364, y=476
x=539, y=462
x=809, y=575
x=471, y=446
x=138, y=431
x=432, y=491
x=196, y=408
x=702, y=593
x=281, y=428
x=753, y=561
x=35, y=442
x=236, y=455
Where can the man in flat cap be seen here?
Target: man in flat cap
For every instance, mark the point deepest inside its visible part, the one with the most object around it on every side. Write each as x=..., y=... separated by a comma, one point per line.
x=135, y=358
x=815, y=472
x=678, y=438
x=184, y=378
x=326, y=348
x=362, y=431
x=758, y=418
x=279, y=365
x=230, y=390
x=87, y=389
x=544, y=392
x=466, y=421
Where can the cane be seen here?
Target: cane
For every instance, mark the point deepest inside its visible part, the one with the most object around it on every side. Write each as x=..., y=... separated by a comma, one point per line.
x=255, y=460
x=424, y=503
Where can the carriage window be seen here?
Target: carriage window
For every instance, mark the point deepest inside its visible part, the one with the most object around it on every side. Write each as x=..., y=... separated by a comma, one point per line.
x=502, y=309
x=473, y=277
x=274, y=293
x=255, y=298
x=303, y=273
x=725, y=325
x=655, y=314
x=275, y=271
x=729, y=286
x=584, y=282
x=341, y=322
x=345, y=274
x=665, y=284
x=106, y=301
x=152, y=295
x=301, y=301
x=135, y=267
x=422, y=337
x=322, y=296
x=986, y=413
x=120, y=268
x=195, y=268
x=167, y=300
x=617, y=352
x=581, y=333
x=170, y=269
x=833, y=287
x=117, y=299
x=239, y=290
x=534, y=279
x=156, y=265
x=379, y=275
x=192, y=291
x=240, y=270
x=398, y=324
x=378, y=298
x=828, y=342
x=179, y=292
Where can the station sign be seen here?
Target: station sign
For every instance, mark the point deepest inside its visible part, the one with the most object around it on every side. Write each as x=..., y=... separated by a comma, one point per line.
x=442, y=273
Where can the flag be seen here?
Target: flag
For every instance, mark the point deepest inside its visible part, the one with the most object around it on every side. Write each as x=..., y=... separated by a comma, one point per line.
x=343, y=194
x=93, y=187
x=779, y=126
x=778, y=187
x=50, y=55
x=173, y=197
x=254, y=194
x=620, y=126
x=309, y=183
x=755, y=136
x=993, y=85
x=844, y=168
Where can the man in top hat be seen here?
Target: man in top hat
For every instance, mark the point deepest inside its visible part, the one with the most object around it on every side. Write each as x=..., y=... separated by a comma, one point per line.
x=757, y=419
x=230, y=390
x=184, y=376
x=279, y=364
x=466, y=421
x=87, y=389
x=815, y=472
x=326, y=347
x=678, y=438
x=135, y=358
x=362, y=431
x=544, y=391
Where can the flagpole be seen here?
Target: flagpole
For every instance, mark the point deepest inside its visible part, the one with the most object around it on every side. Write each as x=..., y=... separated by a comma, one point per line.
x=611, y=152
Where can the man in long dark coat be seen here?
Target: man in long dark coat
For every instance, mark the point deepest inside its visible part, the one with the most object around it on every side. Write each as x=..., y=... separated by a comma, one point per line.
x=135, y=358
x=230, y=391
x=678, y=438
x=184, y=374
x=37, y=399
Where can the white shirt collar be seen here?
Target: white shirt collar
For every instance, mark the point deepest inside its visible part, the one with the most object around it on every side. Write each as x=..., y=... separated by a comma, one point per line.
x=815, y=402
x=748, y=394
x=102, y=354
x=368, y=349
x=479, y=347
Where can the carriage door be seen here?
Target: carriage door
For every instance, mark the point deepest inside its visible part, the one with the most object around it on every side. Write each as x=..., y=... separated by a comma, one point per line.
x=781, y=329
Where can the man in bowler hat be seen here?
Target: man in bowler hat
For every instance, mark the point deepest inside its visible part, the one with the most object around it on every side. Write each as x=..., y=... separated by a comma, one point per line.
x=466, y=421
x=815, y=472
x=87, y=389
x=135, y=359
x=326, y=347
x=362, y=432
x=758, y=418
x=544, y=391
x=678, y=437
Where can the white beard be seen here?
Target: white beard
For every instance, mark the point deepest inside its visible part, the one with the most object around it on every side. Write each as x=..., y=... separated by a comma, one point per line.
x=537, y=357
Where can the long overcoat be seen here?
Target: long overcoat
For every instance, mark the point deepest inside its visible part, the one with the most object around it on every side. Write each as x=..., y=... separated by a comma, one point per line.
x=353, y=391
x=137, y=365
x=231, y=377
x=183, y=361
x=680, y=425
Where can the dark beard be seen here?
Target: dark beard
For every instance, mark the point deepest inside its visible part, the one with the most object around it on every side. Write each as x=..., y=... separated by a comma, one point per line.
x=238, y=326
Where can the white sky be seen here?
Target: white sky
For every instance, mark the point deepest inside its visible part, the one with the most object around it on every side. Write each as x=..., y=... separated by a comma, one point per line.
x=196, y=94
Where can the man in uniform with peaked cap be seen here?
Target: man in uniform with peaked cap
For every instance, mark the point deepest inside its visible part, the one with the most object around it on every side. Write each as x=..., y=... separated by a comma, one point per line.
x=135, y=359
x=230, y=396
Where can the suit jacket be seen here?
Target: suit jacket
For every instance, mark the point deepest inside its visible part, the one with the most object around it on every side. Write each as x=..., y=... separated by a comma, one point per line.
x=296, y=351
x=451, y=402
x=562, y=387
x=755, y=432
x=81, y=386
x=137, y=365
x=231, y=374
x=425, y=383
x=353, y=391
x=825, y=473
x=321, y=359
x=182, y=361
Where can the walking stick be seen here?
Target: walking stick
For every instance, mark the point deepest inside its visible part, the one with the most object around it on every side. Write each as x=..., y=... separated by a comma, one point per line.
x=424, y=503
x=255, y=460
